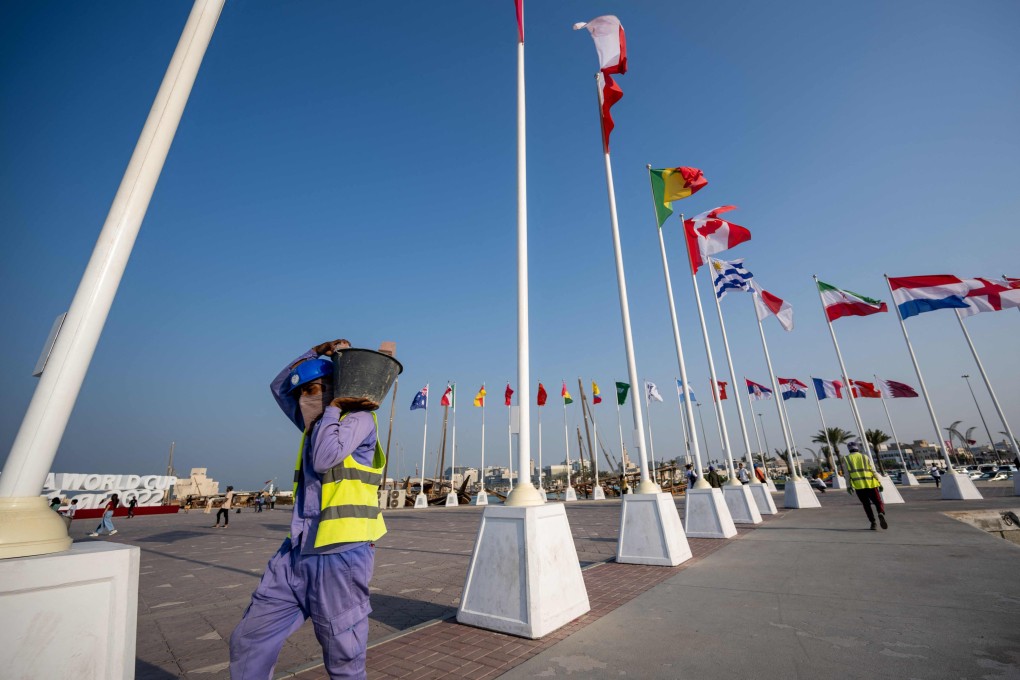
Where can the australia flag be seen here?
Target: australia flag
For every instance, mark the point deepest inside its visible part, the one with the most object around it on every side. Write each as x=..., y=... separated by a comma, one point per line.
x=421, y=400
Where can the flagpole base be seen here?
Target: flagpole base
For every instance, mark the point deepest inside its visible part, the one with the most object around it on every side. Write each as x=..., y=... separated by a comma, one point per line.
x=421, y=501
x=570, y=495
x=741, y=504
x=763, y=499
x=544, y=494
x=647, y=486
x=482, y=498
x=524, y=577
x=799, y=494
x=706, y=514
x=908, y=479
x=524, y=494
x=651, y=532
x=598, y=494
x=838, y=482
x=452, y=500
x=29, y=527
x=771, y=485
x=959, y=488
x=890, y=494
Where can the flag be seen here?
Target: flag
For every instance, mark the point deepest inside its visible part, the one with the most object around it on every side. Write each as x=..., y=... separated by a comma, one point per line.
x=652, y=392
x=542, y=394
x=520, y=20
x=508, y=394
x=828, y=389
x=730, y=275
x=792, y=388
x=447, y=399
x=756, y=391
x=421, y=400
x=848, y=303
x=567, y=399
x=865, y=390
x=708, y=234
x=672, y=184
x=991, y=295
x=622, y=389
x=721, y=392
x=766, y=303
x=680, y=391
x=611, y=45
x=480, y=397
x=595, y=398
x=891, y=389
x=919, y=294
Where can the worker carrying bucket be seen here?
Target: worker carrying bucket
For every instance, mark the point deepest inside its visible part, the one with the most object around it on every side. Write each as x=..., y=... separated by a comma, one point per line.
x=323, y=568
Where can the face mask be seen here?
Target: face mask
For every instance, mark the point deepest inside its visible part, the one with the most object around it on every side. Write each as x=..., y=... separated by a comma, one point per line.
x=314, y=398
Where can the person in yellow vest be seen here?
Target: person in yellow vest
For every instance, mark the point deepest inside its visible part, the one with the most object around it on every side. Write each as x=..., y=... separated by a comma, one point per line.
x=862, y=480
x=323, y=568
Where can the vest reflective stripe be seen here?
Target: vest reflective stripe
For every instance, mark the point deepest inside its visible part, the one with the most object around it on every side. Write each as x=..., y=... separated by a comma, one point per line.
x=350, y=499
x=861, y=476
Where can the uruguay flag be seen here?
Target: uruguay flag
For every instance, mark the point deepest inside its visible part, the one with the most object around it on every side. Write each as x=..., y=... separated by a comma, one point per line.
x=918, y=294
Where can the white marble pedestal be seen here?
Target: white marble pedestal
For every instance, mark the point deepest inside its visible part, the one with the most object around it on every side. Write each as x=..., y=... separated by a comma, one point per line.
x=706, y=515
x=650, y=531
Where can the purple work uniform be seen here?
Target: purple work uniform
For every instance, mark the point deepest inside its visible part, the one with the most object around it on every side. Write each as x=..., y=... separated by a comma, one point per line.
x=330, y=585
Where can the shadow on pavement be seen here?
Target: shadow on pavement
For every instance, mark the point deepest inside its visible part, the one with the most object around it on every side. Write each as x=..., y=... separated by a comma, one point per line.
x=146, y=671
x=401, y=612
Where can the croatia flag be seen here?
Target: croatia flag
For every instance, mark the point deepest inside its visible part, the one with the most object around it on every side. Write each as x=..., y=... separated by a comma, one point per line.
x=828, y=389
x=991, y=295
x=915, y=295
x=756, y=391
x=708, y=234
x=792, y=388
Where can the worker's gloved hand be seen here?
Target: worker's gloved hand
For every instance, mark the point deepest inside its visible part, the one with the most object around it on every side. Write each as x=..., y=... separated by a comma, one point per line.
x=881, y=488
x=326, y=349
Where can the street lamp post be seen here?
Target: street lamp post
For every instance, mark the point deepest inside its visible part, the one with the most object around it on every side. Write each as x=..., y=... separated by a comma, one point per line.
x=982, y=416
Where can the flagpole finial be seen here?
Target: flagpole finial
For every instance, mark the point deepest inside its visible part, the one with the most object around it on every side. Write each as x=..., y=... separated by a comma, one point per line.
x=648, y=165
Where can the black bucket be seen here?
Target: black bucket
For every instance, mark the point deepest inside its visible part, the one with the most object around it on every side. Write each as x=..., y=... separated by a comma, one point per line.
x=362, y=377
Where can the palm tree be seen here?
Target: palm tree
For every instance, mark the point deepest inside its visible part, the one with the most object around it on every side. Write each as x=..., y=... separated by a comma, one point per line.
x=876, y=437
x=832, y=437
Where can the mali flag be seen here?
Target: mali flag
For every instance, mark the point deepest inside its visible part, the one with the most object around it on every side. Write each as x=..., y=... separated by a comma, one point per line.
x=671, y=184
x=595, y=398
x=567, y=399
x=480, y=397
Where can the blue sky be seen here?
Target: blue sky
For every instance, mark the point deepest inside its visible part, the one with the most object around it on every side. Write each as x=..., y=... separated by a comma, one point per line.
x=344, y=170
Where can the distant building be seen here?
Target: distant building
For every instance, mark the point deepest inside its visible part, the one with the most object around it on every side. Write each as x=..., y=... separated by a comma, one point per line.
x=461, y=473
x=196, y=484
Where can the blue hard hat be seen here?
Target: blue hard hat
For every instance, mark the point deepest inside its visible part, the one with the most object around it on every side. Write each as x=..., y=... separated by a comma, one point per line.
x=307, y=371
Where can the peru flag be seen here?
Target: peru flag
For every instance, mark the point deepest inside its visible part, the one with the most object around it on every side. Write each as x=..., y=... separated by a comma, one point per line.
x=708, y=234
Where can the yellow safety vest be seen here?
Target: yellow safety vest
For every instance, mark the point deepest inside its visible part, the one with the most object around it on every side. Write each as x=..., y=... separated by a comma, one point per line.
x=861, y=475
x=350, y=497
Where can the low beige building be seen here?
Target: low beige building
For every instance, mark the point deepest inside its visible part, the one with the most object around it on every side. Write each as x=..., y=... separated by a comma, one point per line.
x=196, y=484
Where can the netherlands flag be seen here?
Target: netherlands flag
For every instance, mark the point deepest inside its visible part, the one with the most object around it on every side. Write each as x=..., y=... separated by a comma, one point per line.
x=915, y=295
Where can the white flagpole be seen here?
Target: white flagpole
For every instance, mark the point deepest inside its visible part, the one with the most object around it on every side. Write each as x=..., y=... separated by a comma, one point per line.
x=510, y=443
x=899, y=449
x=566, y=438
x=686, y=409
x=720, y=416
x=646, y=485
x=683, y=422
x=988, y=384
x=484, y=399
x=424, y=438
x=595, y=453
x=538, y=412
x=736, y=398
x=920, y=381
x=793, y=442
x=619, y=422
x=776, y=396
x=453, y=455
x=757, y=437
x=825, y=428
x=53, y=400
x=651, y=439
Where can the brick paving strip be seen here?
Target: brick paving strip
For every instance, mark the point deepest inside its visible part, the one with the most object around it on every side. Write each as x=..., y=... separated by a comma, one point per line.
x=445, y=648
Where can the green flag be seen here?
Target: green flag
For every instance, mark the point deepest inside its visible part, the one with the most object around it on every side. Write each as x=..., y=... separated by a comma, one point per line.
x=672, y=184
x=621, y=393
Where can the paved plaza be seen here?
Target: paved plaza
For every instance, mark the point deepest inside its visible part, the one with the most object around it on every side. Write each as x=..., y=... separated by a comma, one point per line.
x=806, y=593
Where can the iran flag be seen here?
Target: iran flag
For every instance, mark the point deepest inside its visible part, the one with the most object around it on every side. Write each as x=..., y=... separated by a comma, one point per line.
x=708, y=234
x=766, y=303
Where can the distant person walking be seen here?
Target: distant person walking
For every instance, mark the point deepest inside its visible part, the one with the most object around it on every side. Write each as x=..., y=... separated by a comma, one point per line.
x=131, y=506
x=107, y=522
x=71, y=509
x=863, y=481
x=272, y=502
x=936, y=474
x=258, y=503
x=742, y=475
x=713, y=477
x=224, y=510
x=55, y=504
x=691, y=475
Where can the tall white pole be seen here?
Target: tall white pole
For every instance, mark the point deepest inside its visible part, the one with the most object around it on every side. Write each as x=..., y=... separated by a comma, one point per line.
x=424, y=438
x=825, y=429
x=526, y=493
x=683, y=422
x=991, y=392
x=776, y=397
x=793, y=442
x=846, y=380
x=510, y=444
x=619, y=422
x=651, y=439
x=920, y=381
x=42, y=428
x=720, y=416
x=899, y=448
x=484, y=399
x=646, y=485
x=686, y=408
x=538, y=412
x=736, y=397
x=757, y=437
x=595, y=453
x=566, y=440
x=453, y=448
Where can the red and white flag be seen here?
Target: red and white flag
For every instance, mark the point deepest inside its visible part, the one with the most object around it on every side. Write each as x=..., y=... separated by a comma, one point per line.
x=520, y=19
x=708, y=234
x=865, y=390
x=611, y=46
x=508, y=395
x=766, y=303
x=891, y=389
x=447, y=399
x=990, y=295
x=722, y=390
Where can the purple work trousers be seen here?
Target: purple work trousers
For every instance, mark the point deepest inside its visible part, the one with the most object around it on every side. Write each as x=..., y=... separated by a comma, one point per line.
x=331, y=589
